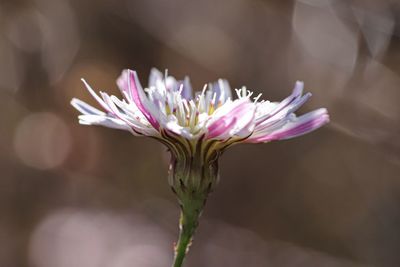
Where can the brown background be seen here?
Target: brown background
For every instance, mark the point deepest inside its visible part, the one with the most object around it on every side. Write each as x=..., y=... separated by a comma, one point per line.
x=73, y=196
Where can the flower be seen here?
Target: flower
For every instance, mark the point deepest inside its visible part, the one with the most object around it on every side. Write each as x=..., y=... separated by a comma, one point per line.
x=168, y=111
x=197, y=128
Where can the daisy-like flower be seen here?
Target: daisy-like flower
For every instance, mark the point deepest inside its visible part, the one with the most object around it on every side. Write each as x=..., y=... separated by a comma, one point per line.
x=197, y=128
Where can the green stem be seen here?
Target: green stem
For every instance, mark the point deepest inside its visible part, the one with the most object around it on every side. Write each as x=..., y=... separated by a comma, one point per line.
x=188, y=224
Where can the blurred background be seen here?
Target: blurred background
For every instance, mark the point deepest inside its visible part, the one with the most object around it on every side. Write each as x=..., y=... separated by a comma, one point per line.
x=81, y=196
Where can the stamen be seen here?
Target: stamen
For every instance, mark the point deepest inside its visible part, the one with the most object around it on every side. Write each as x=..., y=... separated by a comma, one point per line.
x=201, y=104
x=238, y=92
x=256, y=98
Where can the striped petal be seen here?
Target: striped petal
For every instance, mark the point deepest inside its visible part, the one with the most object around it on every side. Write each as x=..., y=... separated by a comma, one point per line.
x=231, y=118
x=129, y=83
x=298, y=126
x=285, y=104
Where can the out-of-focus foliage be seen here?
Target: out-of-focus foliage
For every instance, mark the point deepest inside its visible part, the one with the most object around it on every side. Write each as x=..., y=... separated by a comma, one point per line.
x=84, y=196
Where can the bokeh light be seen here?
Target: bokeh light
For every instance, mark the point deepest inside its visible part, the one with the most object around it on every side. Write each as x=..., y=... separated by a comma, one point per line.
x=82, y=238
x=42, y=140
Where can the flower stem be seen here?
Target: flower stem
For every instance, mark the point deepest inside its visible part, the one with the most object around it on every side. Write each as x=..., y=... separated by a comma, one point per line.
x=188, y=223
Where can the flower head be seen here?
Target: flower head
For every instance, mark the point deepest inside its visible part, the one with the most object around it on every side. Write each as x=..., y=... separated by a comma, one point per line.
x=168, y=108
x=198, y=124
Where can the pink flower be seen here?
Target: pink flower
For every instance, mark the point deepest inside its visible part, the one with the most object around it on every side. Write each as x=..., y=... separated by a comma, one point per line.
x=168, y=108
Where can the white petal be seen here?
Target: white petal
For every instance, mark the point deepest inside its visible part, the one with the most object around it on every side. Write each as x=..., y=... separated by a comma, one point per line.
x=104, y=121
x=85, y=108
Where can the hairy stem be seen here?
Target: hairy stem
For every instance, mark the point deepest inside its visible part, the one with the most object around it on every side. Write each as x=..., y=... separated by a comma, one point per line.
x=188, y=223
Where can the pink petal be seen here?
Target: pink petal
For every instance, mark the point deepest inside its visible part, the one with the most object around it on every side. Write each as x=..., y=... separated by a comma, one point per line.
x=129, y=83
x=286, y=104
x=231, y=118
x=304, y=124
x=222, y=126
